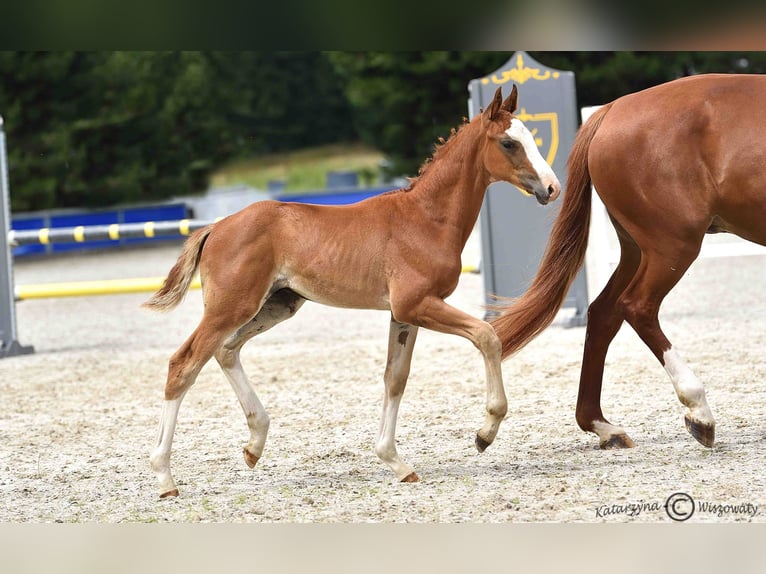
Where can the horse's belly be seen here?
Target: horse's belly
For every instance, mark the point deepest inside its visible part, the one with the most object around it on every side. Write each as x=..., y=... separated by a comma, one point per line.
x=339, y=294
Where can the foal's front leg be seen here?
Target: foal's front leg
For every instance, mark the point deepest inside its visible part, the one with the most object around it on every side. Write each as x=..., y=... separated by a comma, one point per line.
x=433, y=313
x=401, y=340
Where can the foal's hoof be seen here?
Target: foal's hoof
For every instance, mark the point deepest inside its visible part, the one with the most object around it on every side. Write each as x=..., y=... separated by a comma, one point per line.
x=481, y=444
x=411, y=477
x=617, y=441
x=169, y=493
x=250, y=458
x=704, y=433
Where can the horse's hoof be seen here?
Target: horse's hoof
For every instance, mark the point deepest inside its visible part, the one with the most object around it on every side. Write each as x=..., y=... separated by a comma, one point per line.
x=704, y=433
x=617, y=441
x=481, y=444
x=250, y=458
x=411, y=477
x=169, y=493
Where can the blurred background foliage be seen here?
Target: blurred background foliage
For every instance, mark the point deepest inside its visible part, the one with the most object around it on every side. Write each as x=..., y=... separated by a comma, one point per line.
x=92, y=129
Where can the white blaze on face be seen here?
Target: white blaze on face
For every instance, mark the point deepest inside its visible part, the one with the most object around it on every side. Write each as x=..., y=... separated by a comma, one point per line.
x=519, y=132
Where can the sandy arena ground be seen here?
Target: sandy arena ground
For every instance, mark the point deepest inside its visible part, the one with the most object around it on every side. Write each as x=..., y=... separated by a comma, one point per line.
x=79, y=416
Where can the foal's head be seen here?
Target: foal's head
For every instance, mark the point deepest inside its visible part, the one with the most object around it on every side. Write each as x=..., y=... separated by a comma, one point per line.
x=510, y=152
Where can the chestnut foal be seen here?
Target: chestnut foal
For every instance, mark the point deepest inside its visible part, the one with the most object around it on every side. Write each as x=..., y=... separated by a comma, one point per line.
x=399, y=251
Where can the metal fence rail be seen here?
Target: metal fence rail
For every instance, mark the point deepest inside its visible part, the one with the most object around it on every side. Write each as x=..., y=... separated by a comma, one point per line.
x=114, y=231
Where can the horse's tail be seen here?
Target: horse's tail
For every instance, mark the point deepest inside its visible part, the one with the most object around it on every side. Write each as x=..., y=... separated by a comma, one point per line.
x=524, y=318
x=181, y=274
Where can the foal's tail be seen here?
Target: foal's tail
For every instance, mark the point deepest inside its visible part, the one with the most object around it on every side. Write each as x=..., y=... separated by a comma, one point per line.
x=524, y=318
x=181, y=274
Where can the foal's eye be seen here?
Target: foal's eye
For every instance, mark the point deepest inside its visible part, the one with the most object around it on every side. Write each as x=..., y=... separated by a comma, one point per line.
x=509, y=144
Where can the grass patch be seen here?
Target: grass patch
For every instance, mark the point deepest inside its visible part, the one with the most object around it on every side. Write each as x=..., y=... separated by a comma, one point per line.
x=302, y=170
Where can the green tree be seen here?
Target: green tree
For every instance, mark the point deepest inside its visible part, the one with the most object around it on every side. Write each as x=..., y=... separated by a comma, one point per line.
x=284, y=101
x=404, y=101
x=100, y=128
x=601, y=77
x=34, y=96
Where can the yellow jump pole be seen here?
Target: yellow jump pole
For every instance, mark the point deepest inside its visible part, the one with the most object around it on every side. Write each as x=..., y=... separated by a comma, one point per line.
x=84, y=288
x=110, y=287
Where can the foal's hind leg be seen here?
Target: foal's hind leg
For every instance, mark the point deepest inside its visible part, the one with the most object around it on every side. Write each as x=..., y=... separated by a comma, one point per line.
x=656, y=276
x=222, y=317
x=401, y=340
x=280, y=306
x=183, y=368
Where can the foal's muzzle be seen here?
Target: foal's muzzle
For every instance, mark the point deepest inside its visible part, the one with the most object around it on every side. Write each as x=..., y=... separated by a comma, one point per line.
x=550, y=194
x=545, y=191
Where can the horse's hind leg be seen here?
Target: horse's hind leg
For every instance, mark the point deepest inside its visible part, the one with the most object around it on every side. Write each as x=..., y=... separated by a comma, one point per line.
x=280, y=306
x=604, y=322
x=656, y=276
x=401, y=340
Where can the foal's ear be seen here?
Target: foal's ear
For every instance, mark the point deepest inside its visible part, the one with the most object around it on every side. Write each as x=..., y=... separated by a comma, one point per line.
x=509, y=105
x=491, y=112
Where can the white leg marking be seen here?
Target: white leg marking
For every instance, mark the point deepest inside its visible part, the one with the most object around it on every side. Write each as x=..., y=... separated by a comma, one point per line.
x=688, y=388
x=257, y=418
x=160, y=457
x=401, y=341
x=487, y=342
x=606, y=431
x=386, y=445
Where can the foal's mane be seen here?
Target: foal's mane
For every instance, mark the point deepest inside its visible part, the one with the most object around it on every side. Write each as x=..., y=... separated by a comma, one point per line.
x=440, y=148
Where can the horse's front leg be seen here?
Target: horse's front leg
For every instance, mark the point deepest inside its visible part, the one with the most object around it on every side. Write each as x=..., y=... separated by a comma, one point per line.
x=401, y=341
x=433, y=313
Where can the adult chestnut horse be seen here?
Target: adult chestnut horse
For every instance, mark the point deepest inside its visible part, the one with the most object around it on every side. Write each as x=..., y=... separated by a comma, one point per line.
x=670, y=164
x=399, y=251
